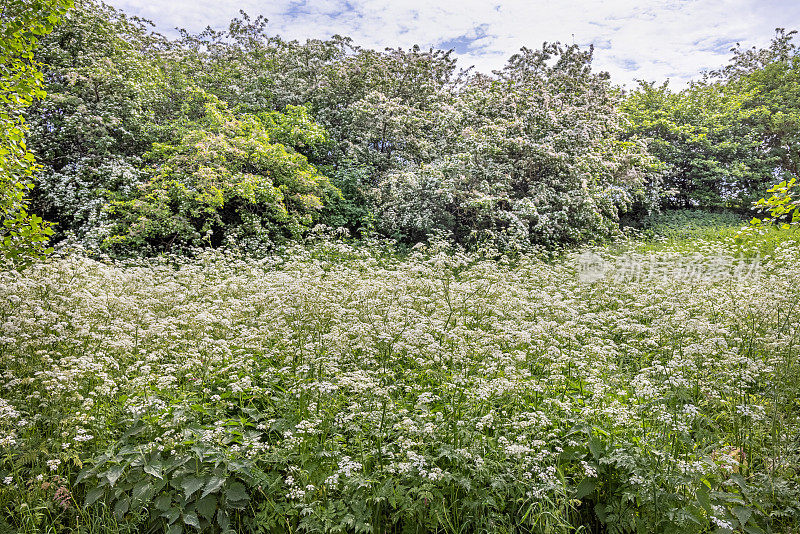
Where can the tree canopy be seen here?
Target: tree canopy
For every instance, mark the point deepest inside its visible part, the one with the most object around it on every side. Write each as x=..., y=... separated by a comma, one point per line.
x=241, y=137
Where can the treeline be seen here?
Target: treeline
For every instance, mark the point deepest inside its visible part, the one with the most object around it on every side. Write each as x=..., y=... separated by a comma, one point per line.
x=241, y=138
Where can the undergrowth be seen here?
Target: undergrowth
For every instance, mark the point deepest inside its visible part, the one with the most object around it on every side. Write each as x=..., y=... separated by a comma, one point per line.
x=344, y=389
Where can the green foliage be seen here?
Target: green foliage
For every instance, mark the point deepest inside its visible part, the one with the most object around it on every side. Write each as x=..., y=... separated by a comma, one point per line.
x=781, y=211
x=355, y=208
x=722, y=141
x=441, y=151
x=224, y=181
x=772, y=76
x=783, y=207
x=711, y=157
x=532, y=158
x=108, y=102
x=195, y=488
x=22, y=24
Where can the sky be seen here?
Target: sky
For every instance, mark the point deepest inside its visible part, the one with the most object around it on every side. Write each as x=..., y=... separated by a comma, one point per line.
x=651, y=40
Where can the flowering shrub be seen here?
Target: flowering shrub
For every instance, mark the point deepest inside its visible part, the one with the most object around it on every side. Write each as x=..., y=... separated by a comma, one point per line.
x=339, y=389
x=522, y=161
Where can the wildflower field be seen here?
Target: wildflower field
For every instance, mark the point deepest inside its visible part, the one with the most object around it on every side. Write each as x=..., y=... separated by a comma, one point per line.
x=646, y=386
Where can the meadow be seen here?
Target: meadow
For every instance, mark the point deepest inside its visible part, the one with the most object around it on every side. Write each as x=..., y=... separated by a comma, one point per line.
x=648, y=385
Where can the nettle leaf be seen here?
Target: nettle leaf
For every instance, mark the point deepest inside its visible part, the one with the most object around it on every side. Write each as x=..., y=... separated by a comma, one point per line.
x=172, y=515
x=122, y=507
x=596, y=447
x=236, y=493
x=191, y=519
x=163, y=502
x=206, y=506
x=586, y=487
x=155, y=470
x=141, y=489
x=742, y=514
x=222, y=519
x=85, y=473
x=113, y=474
x=191, y=485
x=93, y=495
x=213, y=485
x=703, y=499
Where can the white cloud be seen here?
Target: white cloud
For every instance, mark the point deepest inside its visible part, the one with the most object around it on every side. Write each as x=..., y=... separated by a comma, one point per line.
x=646, y=39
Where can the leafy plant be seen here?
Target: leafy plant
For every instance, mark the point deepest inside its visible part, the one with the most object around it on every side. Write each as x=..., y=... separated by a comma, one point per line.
x=23, y=23
x=224, y=180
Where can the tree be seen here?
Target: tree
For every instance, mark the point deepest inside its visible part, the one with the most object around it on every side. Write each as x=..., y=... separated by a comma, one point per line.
x=108, y=101
x=772, y=77
x=22, y=23
x=531, y=156
x=225, y=180
x=711, y=156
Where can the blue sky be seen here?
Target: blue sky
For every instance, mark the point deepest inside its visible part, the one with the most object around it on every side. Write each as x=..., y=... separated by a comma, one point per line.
x=647, y=39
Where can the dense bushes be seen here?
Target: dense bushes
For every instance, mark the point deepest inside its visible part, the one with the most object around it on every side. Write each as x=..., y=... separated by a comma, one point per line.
x=528, y=160
x=225, y=180
x=724, y=139
x=533, y=156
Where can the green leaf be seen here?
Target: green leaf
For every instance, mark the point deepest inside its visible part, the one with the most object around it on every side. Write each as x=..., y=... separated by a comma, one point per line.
x=236, y=493
x=222, y=519
x=206, y=506
x=702, y=498
x=153, y=470
x=192, y=520
x=141, y=489
x=163, y=502
x=213, y=485
x=739, y=480
x=171, y=515
x=191, y=485
x=121, y=508
x=113, y=474
x=93, y=495
x=742, y=514
x=586, y=487
x=595, y=447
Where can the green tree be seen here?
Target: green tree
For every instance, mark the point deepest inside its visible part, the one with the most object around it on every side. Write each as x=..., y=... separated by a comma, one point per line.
x=225, y=180
x=710, y=153
x=22, y=24
x=771, y=76
x=108, y=101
